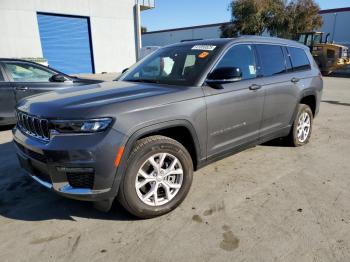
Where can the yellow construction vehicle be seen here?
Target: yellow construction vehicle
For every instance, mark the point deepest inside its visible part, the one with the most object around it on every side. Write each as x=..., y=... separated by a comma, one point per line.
x=328, y=56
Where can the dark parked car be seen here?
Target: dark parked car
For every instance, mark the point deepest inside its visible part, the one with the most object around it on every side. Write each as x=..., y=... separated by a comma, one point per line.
x=20, y=78
x=140, y=138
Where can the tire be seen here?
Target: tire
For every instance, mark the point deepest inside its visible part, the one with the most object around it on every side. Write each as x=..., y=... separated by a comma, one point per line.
x=293, y=139
x=140, y=164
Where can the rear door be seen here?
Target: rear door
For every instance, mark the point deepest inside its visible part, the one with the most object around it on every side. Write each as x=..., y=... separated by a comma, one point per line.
x=7, y=99
x=30, y=79
x=234, y=111
x=281, y=93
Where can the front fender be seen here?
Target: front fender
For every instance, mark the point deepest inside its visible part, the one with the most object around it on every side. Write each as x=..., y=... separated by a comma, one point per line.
x=143, y=131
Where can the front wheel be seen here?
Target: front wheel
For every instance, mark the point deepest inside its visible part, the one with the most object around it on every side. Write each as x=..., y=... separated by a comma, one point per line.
x=158, y=177
x=302, y=126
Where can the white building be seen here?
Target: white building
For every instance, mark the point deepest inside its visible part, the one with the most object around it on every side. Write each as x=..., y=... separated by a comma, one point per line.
x=74, y=36
x=335, y=23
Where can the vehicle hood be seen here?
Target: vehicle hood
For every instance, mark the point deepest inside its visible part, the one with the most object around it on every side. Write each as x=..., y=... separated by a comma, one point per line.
x=101, y=99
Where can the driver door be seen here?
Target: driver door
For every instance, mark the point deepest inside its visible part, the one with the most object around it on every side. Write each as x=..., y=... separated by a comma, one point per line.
x=30, y=79
x=7, y=100
x=234, y=110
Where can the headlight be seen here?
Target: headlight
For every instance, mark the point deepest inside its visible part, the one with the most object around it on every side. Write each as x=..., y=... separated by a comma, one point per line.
x=81, y=126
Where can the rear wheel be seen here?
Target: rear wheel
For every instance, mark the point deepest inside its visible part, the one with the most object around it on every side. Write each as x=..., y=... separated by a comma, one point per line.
x=158, y=177
x=302, y=127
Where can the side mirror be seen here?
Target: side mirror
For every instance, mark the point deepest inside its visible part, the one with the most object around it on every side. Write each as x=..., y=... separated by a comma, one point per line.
x=58, y=78
x=126, y=69
x=224, y=75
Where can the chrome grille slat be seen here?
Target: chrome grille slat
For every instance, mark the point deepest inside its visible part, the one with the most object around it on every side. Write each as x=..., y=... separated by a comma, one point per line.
x=33, y=126
x=41, y=127
x=26, y=123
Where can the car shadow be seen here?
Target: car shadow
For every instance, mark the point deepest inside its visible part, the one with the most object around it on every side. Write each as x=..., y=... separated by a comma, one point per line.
x=278, y=142
x=23, y=199
x=6, y=128
x=335, y=103
x=339, y=75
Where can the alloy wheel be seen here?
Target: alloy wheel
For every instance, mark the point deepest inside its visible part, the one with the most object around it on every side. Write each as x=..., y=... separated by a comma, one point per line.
x=303, y=128
x=159, y=179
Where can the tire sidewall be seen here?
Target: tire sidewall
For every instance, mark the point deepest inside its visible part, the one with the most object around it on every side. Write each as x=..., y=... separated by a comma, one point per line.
x=134, y=164
x=302, y=109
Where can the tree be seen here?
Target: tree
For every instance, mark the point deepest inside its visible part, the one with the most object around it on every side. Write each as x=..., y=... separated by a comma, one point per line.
x=277, y=17
x=303, y=16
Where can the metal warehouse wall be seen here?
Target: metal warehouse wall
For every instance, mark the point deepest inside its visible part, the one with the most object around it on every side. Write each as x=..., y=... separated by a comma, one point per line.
x=112, y=29
x=166, y=37
x=335, y=22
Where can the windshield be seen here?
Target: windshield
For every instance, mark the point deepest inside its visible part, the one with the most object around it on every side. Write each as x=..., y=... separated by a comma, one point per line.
x=179, y=65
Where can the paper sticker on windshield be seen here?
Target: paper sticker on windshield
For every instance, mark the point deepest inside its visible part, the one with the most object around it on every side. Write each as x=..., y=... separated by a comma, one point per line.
x=252, y=70
x=204, y=47
x=203, y=55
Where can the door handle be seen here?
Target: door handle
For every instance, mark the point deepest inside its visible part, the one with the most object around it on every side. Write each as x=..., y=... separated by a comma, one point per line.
x=254, y=87
x=295, y=80
x=22, y=88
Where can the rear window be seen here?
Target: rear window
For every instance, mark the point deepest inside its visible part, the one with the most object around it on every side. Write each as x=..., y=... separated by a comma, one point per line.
x=299, y=59
x=272, y=59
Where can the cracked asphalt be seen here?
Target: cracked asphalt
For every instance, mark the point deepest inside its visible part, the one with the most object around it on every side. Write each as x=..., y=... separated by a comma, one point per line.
x=269, y=203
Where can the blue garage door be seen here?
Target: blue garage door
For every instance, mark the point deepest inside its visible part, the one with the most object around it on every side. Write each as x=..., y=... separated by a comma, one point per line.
x=66, y=43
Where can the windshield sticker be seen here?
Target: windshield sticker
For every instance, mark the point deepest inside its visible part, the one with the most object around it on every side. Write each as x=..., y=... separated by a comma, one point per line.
x=204, y=47
x=252, y=70
x=203, y=55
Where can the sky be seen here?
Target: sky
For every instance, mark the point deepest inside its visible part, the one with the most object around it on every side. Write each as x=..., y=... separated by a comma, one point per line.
x=183, y=13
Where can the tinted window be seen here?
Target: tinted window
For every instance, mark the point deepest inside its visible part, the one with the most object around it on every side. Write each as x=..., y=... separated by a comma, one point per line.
x=288, y=61
x=241, y=56
x=22, y=72
x=299, y=59
x=1, y=76
x=272, y=59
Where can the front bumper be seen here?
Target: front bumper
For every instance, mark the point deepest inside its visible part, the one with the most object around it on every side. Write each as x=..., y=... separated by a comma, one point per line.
x=75, y=166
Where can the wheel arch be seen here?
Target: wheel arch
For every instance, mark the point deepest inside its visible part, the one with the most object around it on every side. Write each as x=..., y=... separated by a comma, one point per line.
x=163, y=128
x=307, y=96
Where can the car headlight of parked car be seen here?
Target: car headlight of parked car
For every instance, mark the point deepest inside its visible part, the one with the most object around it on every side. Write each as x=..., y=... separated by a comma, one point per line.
x=81, y=126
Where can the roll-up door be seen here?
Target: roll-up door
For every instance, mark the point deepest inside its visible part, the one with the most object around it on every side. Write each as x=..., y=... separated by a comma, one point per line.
x=66, y=42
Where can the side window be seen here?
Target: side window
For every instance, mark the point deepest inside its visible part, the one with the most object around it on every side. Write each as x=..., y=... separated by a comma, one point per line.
x=243, y=57
x=289, y=66
x=272, y=59
x=22, y=72
x=1, y=76
x=299, y=59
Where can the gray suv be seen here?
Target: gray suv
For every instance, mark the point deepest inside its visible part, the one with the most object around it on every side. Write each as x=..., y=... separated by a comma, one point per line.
x=140, y=138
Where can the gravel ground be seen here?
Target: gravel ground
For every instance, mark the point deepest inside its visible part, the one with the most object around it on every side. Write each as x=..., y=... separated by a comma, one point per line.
x=269, y=203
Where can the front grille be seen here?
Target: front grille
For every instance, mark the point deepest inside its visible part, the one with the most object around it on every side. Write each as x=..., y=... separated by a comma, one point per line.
x=32, y=154
x=78, y=180
x=33, y=126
